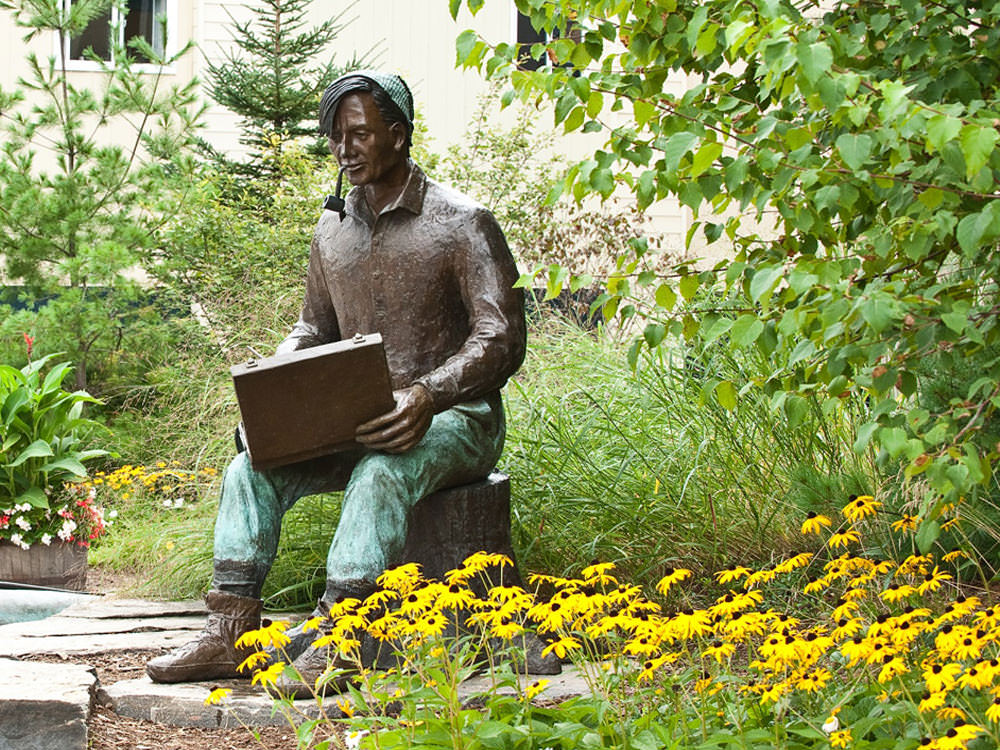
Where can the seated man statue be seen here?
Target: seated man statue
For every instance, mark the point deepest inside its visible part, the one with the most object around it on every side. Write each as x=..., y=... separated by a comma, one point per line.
x=428, y=269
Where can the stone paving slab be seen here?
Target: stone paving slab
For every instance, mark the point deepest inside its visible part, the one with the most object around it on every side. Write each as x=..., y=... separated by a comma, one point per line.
x=45, y=706
x=104, y=625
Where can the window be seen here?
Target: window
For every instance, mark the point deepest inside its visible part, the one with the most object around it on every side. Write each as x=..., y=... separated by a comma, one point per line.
x=526, y=35
x=131, y=19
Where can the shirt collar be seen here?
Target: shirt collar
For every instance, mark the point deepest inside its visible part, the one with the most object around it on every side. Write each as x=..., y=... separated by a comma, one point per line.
x=411, y=198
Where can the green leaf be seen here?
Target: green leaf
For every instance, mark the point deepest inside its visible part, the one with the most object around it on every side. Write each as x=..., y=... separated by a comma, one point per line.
x=666, y=297
x=815, y=59
x=464, y=45
x=689, y=286
x=38, y=449
x=927, y=533
x=763, y=281
x=977, y=144
x=676, y=147
x=726, y=393
x=718, y=328
x=877, y=311
x=453, y=7
x=705, y=157
x=854, y=149
x=66, y=464
x=746, y=330
x=34, y=496
x=942, y=129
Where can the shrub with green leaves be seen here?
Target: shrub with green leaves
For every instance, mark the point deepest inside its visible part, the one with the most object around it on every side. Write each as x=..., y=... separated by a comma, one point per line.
x=848, y=154
x=43, y=433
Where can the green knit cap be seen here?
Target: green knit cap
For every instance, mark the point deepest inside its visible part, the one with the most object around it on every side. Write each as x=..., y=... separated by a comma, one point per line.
x=363, y=80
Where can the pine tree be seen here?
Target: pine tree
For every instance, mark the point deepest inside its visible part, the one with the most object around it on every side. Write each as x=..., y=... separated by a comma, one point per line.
x=271, y=79
x=80, y=208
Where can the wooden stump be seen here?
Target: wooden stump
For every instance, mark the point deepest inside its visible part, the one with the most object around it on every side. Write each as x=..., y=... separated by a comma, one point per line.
x=449, y=525
x=58, y=565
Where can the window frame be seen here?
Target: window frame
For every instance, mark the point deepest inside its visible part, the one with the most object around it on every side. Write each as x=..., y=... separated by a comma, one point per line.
x=61, y=43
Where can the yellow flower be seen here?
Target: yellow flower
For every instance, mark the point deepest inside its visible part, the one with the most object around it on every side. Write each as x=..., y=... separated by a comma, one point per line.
x=897, y=591
x=906, y=523
x=734, y=602
x=456, y=597
x=815, y=680
x=733, y=574
x=673, y=575
x=892, y=666
x=940, y=678
x=217, y=696
x=951, y=712
x=841, y=738
x=346, y=706
x=651, y=665
x=815, y=523
x=932, y=701
x=861, y=507
x=719, y=651
x=598, y=574
x=270, y=675
x=993, y=711
x=933, y=581
x=688, y=624
x=843, y=538
x=532, y=691
x=561, y=647
x=401, y=578
x=252, y=661
x=954, y=555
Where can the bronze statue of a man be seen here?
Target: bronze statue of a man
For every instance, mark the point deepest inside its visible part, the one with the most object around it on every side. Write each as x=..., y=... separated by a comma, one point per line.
x=430, y=270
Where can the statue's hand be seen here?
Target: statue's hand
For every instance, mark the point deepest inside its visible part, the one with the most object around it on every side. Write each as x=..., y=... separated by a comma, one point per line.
x=400, y=429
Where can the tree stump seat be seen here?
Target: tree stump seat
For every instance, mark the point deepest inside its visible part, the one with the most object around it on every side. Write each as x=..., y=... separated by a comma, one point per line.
x=449, y=525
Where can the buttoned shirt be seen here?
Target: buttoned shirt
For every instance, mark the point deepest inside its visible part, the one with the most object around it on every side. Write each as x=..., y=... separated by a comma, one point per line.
x=433, y=275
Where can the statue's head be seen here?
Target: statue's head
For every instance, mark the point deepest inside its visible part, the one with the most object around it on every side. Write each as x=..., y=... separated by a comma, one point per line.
x=367, y=118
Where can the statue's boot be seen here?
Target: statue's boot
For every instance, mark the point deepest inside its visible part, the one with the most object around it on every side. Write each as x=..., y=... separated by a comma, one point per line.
x=213, y=655
x=312, y=664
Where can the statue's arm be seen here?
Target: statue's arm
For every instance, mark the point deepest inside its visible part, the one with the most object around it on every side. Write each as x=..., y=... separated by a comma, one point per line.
x=317, y=323
x=495, y=346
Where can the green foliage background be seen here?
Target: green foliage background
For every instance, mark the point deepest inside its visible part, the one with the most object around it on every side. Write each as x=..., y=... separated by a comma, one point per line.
x=848, y=154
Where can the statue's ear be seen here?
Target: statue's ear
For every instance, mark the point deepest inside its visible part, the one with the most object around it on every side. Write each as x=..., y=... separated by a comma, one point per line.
x=398, y=131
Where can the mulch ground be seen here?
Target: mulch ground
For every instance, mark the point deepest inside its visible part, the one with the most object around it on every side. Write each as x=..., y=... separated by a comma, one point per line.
x=109, y=731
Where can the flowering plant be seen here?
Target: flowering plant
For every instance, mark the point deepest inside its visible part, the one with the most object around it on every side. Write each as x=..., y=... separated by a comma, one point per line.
x=41, y=429
x=74, y=517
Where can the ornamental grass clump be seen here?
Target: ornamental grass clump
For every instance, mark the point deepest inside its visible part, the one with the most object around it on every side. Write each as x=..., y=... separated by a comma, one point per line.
x=831, y=648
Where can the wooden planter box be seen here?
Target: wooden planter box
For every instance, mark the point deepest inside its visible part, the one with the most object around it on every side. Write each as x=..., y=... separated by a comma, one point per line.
x=59, y=565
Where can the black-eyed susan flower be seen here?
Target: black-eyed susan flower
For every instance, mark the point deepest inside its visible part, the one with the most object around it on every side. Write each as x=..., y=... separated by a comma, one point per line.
x=732, y=574
x=907, y=523
x=861, y=507
x=897, y=592
x=814, y=680
x=672, y=577
x=650, y=666
x=933, y=580
x=931, y=701
x=892, y=666
x=841, y=738
x=954, y=713
x=843, y=538
x=689, y=623
x=719, y=650
x=599, y=574
x=268, y=676
x=941, y=678
x=252, y=661
x=217, y=696
x=562, y=646
x=401, y=578
x=815, y=523
x=993, y=711
x=793, y=563
x=847, y=627
x=533, y=690
x=955, y=554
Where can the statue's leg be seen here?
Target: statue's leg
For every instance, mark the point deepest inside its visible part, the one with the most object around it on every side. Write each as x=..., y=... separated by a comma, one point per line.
x=251, y=507
x=462, y=444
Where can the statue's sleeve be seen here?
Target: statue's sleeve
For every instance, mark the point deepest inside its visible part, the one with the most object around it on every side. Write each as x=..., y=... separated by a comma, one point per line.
x=495, y=346
x=317, y=323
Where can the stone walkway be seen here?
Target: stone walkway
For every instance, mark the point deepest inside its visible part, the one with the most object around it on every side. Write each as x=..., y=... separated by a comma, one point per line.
x=44, y=705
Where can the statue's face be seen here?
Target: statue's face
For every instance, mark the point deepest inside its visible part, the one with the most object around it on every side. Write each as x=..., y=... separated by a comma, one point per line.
x=367, y=149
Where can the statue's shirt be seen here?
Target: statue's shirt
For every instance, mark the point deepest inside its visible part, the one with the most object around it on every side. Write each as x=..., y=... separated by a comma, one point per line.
x=433, y=275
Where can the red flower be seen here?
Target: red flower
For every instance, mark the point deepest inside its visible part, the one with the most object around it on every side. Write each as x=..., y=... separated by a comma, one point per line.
x=29, y=341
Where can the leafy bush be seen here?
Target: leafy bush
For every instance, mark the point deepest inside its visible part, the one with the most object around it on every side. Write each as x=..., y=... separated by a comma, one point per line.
x=42, y=455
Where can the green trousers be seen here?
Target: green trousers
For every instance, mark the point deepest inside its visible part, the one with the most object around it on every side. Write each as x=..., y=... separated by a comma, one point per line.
x=462, y=445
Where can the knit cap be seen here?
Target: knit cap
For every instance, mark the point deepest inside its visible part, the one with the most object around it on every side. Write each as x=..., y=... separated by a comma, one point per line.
x=361, y=80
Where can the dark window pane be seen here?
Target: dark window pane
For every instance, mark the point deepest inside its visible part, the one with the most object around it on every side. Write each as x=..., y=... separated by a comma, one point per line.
x=143, y=19
x=97, y=36
x=527, y=36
